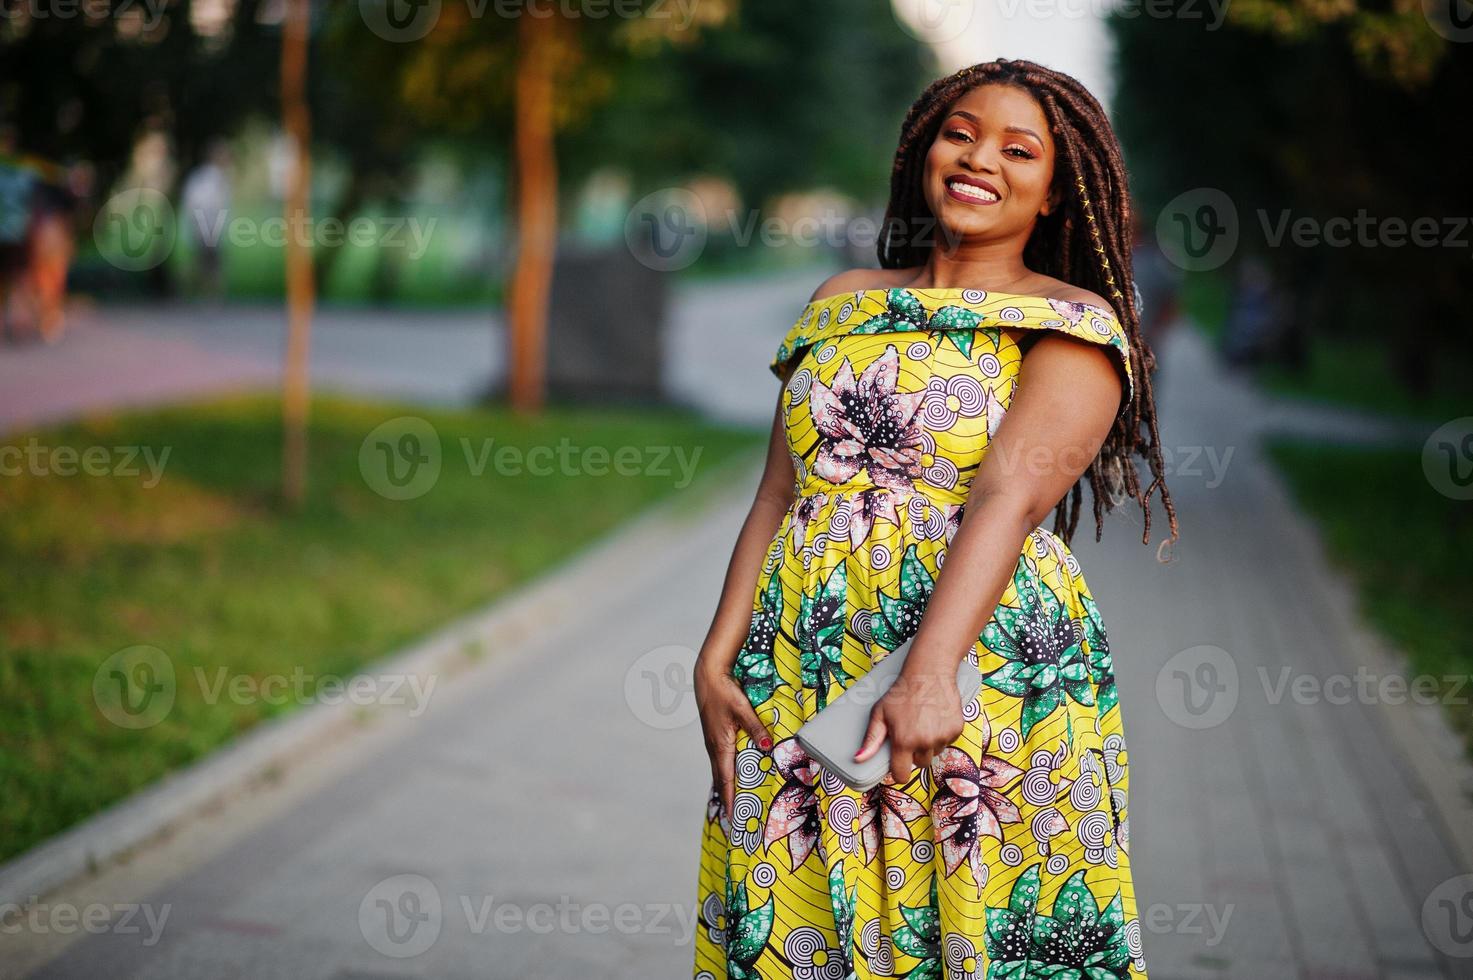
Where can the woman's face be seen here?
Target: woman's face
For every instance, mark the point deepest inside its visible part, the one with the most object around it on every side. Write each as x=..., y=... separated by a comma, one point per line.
x=988, y=173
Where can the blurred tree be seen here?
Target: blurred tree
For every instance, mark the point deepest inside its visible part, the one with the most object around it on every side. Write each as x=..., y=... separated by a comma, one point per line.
x=296, y=378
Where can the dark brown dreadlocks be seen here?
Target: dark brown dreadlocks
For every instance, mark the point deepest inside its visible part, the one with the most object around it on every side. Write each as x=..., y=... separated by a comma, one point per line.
x=1085, y=241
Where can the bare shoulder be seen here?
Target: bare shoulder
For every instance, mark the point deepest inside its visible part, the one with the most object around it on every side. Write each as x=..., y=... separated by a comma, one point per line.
x=854, y=279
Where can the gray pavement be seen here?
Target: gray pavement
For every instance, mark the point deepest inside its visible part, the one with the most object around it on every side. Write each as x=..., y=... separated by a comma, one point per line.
x=551, y=798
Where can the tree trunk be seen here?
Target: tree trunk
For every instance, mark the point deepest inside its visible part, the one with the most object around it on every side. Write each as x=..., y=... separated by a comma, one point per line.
x=300, y=288
x=536, y=209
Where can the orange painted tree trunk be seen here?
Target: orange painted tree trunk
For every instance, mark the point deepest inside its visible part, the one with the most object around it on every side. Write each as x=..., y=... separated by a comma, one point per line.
x=535, y=181
x=300, y=284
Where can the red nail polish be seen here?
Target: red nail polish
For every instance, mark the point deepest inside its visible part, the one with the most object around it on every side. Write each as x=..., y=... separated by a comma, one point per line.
x=766, y=742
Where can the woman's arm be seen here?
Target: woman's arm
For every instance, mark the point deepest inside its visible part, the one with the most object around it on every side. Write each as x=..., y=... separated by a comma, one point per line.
x=723, y=705
x=1068, y=394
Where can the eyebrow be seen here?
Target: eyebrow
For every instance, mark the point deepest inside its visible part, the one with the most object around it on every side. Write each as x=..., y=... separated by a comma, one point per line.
x=1007, y=129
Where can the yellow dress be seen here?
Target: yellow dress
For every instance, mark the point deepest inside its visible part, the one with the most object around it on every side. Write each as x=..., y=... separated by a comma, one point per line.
x=1007, y=858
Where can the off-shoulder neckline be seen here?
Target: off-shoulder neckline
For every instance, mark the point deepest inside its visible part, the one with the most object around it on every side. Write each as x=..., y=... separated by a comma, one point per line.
x=959, y=290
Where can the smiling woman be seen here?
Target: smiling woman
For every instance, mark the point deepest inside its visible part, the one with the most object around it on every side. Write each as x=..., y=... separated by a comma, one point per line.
x=935, y=413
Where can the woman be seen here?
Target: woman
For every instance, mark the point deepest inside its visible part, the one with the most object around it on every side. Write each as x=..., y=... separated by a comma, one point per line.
x=988, y=368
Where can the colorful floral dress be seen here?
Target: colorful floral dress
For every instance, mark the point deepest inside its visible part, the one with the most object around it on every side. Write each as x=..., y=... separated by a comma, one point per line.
x=1007, y=858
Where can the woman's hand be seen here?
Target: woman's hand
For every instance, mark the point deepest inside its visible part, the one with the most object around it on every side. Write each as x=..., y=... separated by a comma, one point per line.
x=921, y=714
x=724, y=710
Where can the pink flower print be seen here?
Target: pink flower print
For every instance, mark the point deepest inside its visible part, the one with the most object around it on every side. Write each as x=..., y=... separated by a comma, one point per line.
x=807, y=509
x=794, y=812
x=864, y=508
x=866, y=424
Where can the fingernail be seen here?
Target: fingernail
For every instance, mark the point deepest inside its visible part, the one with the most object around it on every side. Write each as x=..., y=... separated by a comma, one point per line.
x=765, y=742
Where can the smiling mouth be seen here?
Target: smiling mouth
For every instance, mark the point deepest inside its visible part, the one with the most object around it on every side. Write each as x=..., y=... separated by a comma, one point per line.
x=972, y=192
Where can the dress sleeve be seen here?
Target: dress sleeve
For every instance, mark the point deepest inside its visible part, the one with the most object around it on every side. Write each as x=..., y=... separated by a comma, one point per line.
x=1097, y=325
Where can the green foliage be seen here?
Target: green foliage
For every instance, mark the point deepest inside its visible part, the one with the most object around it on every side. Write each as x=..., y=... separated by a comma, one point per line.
x=1405, y=545
x=203, y=565
x=1295, y=116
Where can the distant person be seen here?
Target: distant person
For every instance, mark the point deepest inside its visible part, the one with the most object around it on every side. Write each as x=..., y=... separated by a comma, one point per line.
x=206, y=201
x=36, y=243
x=984, y=370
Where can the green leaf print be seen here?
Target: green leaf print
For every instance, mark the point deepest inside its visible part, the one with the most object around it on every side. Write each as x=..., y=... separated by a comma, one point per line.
x=920, y=937
x=821, y=635
x=1078, y=941
x=755, y=668
x=746, y=931
x=1041, y=644
x=1078, y=937
x=900, y=615
x=1101, y=665
x=843, y=913
x=956, y=324
x=903, y=311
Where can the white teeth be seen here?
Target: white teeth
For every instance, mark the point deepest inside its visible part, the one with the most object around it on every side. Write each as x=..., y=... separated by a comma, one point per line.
x=972, y=190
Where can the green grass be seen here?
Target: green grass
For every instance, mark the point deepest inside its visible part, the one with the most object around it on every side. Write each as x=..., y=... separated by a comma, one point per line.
x=1405, y=545
x=207, y=567
x=1204, y=299
x=1357, y=373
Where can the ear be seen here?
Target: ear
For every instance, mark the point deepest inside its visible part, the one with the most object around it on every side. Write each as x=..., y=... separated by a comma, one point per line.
x=1051, y=202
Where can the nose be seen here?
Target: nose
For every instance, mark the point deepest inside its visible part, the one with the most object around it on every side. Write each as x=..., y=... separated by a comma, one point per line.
x=980, y=157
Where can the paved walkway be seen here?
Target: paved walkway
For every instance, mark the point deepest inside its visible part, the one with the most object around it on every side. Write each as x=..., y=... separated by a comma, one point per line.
x=546, y=809
x=154, y=354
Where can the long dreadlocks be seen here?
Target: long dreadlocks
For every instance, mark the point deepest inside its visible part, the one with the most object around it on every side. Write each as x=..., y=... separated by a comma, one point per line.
x=1085, y=241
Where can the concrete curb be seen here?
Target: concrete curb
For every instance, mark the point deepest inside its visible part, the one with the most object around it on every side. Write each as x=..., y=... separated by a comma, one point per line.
x=260, y=755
